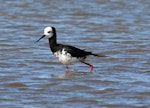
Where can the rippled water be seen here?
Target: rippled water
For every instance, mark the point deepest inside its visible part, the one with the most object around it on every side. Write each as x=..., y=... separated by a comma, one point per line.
x=30, y=77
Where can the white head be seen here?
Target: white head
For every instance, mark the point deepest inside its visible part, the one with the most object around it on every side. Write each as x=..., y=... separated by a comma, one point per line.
x=49, y=32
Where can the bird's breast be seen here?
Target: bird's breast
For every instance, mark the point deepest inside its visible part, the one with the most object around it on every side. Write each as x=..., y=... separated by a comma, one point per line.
x=64, y=57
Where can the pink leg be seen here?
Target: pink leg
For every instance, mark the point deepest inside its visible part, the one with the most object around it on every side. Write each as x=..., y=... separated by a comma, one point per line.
x=67, y=69
x=91, y=66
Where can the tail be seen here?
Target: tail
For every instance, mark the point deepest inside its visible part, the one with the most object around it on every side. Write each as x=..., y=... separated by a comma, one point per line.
x=98, y=55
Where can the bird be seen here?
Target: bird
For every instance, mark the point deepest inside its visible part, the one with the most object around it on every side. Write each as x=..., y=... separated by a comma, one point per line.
x=66, y=54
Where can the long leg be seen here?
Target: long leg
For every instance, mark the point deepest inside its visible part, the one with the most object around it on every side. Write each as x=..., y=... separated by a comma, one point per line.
x=91, y=66
x=67, y=69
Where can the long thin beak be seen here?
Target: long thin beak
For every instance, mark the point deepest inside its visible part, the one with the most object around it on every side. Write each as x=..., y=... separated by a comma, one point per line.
x=40, y=38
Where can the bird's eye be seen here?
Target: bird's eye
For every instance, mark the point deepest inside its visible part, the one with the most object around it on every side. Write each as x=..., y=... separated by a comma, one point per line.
x=49, y=31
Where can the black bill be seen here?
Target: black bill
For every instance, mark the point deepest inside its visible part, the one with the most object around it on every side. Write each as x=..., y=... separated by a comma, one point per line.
x=40, y=39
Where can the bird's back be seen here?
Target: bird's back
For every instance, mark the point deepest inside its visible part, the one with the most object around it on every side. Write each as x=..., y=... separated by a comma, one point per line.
x=73, y=51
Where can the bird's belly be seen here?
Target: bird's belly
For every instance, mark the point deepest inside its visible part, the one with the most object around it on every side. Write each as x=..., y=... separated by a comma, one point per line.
x=65, y=58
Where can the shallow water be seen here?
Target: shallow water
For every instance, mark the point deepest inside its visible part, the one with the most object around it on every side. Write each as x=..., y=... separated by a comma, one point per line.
x=30, y=77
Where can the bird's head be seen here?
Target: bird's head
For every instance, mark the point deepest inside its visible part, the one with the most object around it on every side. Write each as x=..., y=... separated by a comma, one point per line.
x=48, y=32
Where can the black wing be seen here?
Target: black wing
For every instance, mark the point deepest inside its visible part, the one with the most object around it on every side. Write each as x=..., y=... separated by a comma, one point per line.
x=76, y=52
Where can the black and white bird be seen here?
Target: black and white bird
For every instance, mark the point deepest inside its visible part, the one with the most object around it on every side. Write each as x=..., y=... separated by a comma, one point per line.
x=66, y=54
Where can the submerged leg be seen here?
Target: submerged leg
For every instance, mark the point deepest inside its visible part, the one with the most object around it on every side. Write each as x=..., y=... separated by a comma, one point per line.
x=67, y=69
x=91, y=66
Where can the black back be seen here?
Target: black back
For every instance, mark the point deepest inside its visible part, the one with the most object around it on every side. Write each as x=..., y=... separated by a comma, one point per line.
x=75, y=52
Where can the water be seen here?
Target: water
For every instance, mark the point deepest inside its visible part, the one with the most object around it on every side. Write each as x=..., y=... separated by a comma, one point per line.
x=30, y=77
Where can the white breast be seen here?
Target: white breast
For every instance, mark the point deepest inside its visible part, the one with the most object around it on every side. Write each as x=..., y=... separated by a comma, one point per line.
x=65, y=58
